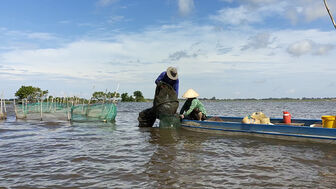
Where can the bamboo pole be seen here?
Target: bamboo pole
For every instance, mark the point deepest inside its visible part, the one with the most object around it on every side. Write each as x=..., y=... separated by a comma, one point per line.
x=1, y=113
x=41, y=109
x=5, y=108
x=15, y=110
x=83, y=106
x=328, y=10
x=68, y=112
x=115, y=94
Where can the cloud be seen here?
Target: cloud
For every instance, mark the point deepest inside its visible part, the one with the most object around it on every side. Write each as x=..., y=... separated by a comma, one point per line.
x=26, y=34
x=308, y=47
x=236, y=16
x=180, y=54
x=185, y=6
x=104, y=3
x=307, y=10
x=249, y=12
x=41, y=36
x=135, y=59
x=261, y=40
x=115, y=19
x=258, y=11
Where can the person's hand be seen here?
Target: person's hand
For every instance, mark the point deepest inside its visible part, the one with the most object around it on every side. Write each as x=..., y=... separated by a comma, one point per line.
x=181, y=116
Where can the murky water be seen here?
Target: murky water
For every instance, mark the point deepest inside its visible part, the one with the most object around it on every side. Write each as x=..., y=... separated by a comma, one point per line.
x=121, y=155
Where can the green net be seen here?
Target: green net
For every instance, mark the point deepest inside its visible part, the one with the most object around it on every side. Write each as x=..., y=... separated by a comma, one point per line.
x=48, y=111
x=169, y=121
x=94, y=112
x=43, y=111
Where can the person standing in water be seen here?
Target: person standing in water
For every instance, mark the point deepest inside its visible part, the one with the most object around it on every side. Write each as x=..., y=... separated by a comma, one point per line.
x=165, y=99
x=170, y=77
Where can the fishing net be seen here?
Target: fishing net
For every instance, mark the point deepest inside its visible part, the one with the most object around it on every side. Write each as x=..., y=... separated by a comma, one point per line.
x=94, y=112
x=165, y=101
x=45, y=111
x=165, y=104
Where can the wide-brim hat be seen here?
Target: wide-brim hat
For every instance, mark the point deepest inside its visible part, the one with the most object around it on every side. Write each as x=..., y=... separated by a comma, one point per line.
x=172, y=73
x=190, y=94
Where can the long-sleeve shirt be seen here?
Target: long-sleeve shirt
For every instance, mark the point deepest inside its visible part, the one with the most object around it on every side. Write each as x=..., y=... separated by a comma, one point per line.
x=195, y=103
x=174, y=83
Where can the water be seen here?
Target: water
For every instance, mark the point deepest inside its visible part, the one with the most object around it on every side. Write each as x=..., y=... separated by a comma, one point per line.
x=121, y=155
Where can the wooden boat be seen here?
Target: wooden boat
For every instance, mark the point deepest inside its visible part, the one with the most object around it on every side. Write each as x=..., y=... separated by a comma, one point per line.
x=299, y=130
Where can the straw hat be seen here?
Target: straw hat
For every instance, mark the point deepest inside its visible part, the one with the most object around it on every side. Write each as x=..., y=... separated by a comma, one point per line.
x=190, y=94
x=172, y=73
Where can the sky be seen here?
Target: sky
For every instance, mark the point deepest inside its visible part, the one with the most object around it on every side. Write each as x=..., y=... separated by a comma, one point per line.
x=221, y=48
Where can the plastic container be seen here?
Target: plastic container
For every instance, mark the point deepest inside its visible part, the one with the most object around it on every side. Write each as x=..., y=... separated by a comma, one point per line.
x=328, y=121
x=287, y=118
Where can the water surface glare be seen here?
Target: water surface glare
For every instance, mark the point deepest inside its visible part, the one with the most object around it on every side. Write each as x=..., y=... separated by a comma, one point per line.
x=37, y=154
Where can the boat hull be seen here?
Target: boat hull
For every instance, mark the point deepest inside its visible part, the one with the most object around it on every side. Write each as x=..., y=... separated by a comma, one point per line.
x=233, y=126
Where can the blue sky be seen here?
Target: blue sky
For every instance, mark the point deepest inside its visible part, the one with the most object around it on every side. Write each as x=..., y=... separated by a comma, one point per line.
x=222, y=48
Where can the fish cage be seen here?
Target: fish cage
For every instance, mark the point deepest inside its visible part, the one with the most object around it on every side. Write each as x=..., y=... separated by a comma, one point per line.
x=65, y=110
x=44, y=111
x=106, y=112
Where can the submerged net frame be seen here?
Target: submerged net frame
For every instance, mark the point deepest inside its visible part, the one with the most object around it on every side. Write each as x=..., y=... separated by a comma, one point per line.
x=65, y=111
x=46, y=111
x=106, y=112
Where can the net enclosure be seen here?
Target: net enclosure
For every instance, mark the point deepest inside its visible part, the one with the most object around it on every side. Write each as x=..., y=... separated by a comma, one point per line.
x=106, y=112
x=47, y=111
x=43, y=111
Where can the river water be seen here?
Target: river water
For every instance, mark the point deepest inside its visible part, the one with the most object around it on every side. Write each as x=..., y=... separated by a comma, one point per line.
x=121, y=155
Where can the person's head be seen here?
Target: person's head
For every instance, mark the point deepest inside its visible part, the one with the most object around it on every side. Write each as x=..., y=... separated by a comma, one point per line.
x=172, y=73
x=190, y=93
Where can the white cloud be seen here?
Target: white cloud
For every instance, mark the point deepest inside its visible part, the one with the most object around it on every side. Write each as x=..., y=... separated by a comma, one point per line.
x=308, y=47
x=40, y=35
x=257, y=11
x=185, y=6
x=106, y=2
x=15, y=34
x=135, y=59
x=300, y=48
x=236, y=16
x=115, y=19
x=261, y=40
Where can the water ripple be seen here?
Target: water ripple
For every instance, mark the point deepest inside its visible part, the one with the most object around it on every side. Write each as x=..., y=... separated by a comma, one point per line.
x=121, y=155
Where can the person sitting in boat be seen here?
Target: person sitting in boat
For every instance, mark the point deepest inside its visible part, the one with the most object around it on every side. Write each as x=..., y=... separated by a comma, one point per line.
x=193, y=108
x=170, y=77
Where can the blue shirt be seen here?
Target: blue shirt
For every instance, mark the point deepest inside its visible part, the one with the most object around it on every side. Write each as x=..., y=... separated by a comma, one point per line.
x=163, y=77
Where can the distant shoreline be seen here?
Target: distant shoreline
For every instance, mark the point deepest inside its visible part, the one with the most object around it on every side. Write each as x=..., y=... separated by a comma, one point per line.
x=263, y=99
x=7, y=101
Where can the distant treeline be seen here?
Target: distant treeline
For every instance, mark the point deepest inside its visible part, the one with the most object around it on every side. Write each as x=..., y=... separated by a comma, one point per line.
x=33, y=94
x=270, y=99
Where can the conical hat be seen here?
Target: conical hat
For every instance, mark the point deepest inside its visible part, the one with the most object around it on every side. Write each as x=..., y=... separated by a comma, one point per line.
x=190, y=94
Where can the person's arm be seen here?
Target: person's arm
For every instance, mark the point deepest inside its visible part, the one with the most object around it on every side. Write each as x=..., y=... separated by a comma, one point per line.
x=160, y=77
x=176, y=87
x=183, y=108
x=192, y=107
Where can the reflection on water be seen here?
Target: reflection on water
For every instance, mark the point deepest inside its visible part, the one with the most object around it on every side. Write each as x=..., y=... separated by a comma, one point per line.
x=121, y=155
